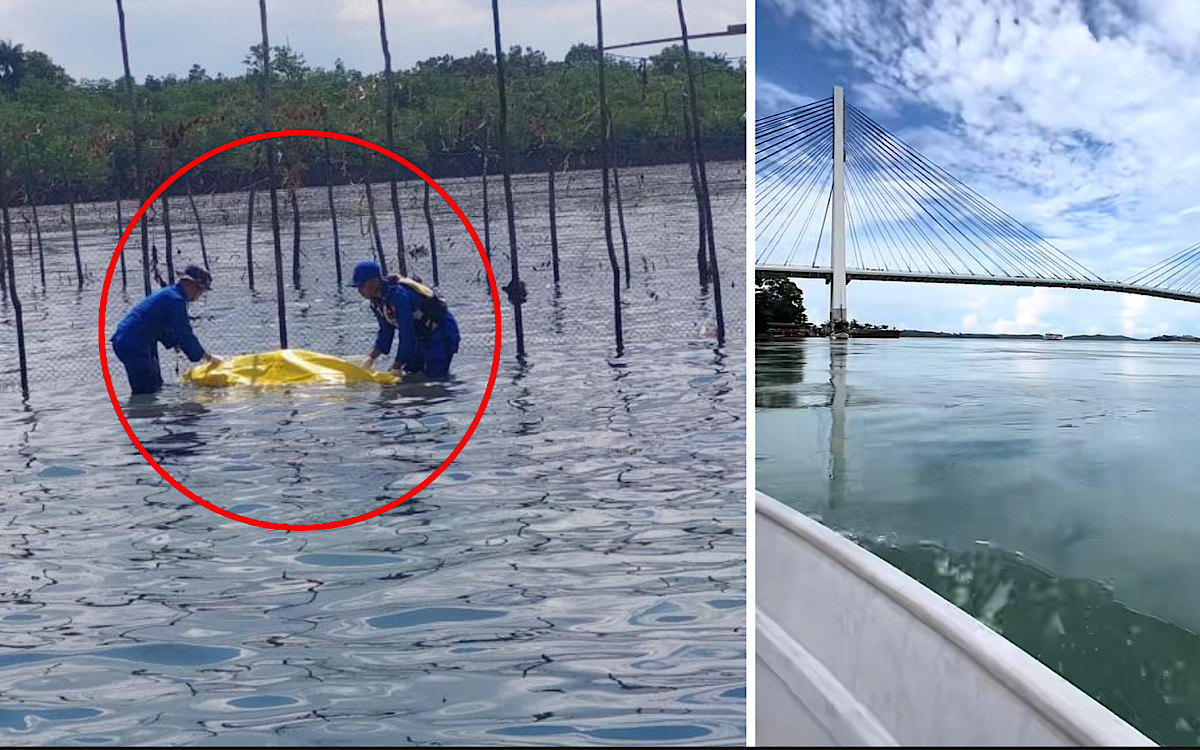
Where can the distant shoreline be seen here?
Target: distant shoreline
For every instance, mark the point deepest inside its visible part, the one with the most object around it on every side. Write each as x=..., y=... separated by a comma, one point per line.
x=910, y=334
x=782, y=334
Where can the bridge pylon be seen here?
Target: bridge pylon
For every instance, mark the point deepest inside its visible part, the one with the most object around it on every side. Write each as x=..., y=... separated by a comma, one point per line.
x=837, y=287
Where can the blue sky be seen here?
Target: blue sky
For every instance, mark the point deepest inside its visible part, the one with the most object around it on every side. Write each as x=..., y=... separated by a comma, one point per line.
x=167, y=36
x=1080, y=120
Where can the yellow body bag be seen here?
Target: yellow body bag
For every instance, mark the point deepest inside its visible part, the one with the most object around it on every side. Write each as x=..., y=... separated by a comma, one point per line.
x=283, y=367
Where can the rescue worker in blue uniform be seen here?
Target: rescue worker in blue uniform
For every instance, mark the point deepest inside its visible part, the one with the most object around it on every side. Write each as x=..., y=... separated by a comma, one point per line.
x=161, y=318
x=407, y=309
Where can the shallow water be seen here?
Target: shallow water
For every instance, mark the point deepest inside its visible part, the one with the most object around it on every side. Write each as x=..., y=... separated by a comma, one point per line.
x=1048, y=488
x=577, y=575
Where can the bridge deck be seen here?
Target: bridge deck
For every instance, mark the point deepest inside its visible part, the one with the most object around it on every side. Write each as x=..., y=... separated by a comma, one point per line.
x=825, y=272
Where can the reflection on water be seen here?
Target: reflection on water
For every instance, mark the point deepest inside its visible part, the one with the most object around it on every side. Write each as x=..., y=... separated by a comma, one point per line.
x=1048, y=488
x=577, y=575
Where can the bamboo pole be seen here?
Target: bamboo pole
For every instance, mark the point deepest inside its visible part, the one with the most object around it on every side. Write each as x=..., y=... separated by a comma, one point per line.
x=606, y=147
x=139, y=184
x=714, y=272
x=391, y=140
x=515, y=289
x=271, y=179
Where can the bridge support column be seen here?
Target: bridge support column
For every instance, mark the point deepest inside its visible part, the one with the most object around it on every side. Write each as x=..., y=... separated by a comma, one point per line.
x=837, y=288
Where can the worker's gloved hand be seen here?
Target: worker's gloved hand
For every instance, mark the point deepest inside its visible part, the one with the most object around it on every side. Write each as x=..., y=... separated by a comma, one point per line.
x=368, y=363
x=212, y=358
x=397, y=367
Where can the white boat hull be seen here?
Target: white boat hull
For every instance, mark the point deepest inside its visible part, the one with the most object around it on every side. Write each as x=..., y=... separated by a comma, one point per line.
x=851, y=651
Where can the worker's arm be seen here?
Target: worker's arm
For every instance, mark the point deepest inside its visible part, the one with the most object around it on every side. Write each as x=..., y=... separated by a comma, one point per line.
x=406, y=347
x=383, y=340
x=181, y=327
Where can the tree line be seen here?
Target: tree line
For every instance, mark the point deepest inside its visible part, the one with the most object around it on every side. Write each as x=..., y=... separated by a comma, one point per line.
x=72, y=138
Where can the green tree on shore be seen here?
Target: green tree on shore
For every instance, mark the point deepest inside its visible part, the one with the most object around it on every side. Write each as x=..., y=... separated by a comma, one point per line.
x=777, y=300
x=445, y=110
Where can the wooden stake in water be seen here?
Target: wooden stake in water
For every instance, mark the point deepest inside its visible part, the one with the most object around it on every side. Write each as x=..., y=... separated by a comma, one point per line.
x=621, y=220
x=139, y=184
x=391, y=140
x=432, y=236
x=37, y=224
x=516, y=293
x=12, y=277
x=553, y=228
x=295, y=237
x=714, y=272
x=271, y=174
x=250, y=239
x=702, y=231
x=166, y=217
x=337, y=244
x=375, y=228
x=74, y=227
x=187, y=181
x=606, y=148
x=487, y=225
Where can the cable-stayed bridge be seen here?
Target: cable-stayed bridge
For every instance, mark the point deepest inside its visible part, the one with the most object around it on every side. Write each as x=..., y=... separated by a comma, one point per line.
x=838, y=197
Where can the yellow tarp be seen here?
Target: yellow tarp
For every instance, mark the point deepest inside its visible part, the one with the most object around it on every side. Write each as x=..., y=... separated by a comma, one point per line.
x=283, y=367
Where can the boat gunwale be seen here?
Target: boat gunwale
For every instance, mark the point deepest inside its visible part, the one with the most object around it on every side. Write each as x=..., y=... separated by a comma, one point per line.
x=1047, y=693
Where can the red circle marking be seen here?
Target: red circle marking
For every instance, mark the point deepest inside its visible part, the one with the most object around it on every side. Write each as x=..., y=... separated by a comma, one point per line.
x=487, y=394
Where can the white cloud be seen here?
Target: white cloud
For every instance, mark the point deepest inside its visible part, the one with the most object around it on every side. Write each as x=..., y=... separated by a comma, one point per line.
x=1131, y=314
x=1079, y=119
x=1033, y=312
x=770, y=98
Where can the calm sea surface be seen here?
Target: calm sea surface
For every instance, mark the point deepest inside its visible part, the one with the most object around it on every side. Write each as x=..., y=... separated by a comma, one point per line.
x=577, y=575
x=1050, y=488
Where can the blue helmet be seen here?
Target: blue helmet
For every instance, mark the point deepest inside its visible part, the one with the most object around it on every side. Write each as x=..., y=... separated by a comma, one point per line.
x=364, y=271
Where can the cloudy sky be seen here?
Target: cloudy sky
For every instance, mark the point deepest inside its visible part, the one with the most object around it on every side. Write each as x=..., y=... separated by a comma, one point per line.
x=168, y=36
x=1080, y=119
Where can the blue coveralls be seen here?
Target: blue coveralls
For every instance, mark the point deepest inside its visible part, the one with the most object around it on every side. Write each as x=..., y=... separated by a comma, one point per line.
x=428, y=332
x=159, y=318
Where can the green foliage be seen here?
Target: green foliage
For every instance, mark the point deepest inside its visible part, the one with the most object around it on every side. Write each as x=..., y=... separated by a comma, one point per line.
x=445, y=106
x=778, y=300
